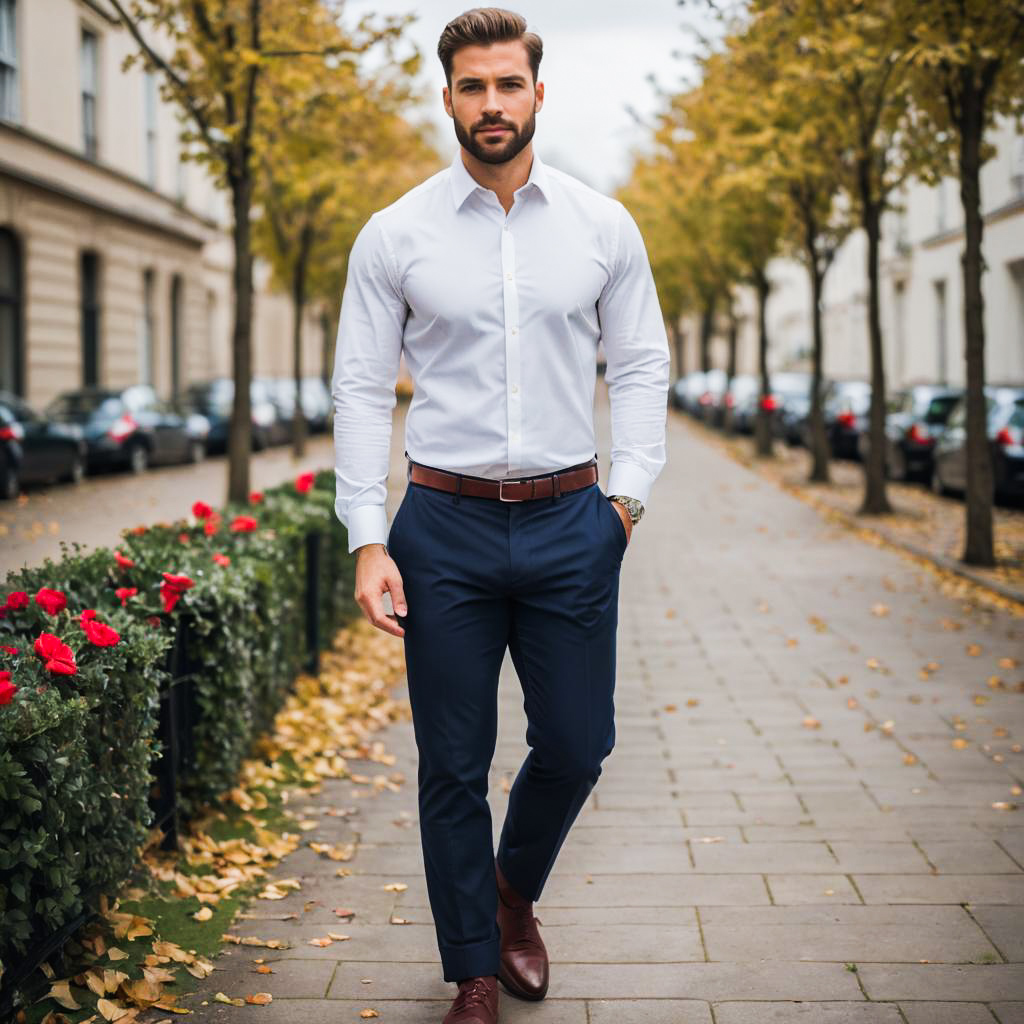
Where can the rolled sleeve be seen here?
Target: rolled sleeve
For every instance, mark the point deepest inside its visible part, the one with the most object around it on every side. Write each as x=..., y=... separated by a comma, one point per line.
x=366, y=360
x=637, y=371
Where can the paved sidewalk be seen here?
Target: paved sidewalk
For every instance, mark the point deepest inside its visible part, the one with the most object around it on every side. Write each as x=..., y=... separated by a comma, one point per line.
x=758, y=848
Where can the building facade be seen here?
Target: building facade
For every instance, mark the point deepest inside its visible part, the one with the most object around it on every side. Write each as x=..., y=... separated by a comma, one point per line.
x=115, y=252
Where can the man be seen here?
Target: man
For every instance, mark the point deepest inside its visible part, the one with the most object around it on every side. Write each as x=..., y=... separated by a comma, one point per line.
x=497, y=277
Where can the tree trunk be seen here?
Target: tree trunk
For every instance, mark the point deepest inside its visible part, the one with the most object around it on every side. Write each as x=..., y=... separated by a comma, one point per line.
x=299, y=302
x=707, y=325
x=876, y=500
x=240, y=436
x=819, y=439
x=728, y=412
x=762, y=422
x=979, y=541
x=678, y=346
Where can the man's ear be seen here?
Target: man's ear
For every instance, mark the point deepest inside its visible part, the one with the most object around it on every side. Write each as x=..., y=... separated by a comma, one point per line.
x=446, y=98
x=539, y=99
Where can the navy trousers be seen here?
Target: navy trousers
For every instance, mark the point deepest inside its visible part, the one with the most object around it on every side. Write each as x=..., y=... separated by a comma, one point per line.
x=540, y=578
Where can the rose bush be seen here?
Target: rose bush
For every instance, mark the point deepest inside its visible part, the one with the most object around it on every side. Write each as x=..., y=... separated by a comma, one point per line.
x=77, y=748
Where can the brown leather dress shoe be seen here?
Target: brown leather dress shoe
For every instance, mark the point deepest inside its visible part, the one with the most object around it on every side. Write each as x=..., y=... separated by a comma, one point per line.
x=523, y=968
x=476, y=1003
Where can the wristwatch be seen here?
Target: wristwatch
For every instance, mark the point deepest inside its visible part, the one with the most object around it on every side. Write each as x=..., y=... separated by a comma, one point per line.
x=632, y=506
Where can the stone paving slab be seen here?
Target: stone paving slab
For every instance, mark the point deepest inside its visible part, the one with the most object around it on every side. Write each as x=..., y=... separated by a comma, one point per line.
x=741, y=854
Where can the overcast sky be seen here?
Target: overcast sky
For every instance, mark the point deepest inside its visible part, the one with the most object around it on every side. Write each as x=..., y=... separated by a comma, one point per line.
x=597, y=56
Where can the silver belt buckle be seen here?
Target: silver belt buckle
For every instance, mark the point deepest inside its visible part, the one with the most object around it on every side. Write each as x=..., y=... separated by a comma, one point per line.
x=501, y=490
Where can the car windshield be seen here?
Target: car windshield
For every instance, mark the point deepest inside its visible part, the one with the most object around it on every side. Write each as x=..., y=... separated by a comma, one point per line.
x=83, y=405
x=939, y=409
x=215, y=397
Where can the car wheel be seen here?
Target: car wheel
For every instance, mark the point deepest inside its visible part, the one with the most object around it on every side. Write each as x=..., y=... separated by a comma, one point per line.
x=138, y=458
x=196, y=451
x=9, y=488
x=897, y=464
x=76, y=474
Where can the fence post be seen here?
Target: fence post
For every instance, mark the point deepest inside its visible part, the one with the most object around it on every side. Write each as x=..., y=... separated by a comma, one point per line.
x=313, y=551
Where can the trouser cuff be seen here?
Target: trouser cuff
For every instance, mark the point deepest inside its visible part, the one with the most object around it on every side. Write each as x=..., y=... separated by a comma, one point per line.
x=477, y=960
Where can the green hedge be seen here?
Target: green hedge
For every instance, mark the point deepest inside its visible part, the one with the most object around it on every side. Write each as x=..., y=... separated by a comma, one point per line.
x=77, y=743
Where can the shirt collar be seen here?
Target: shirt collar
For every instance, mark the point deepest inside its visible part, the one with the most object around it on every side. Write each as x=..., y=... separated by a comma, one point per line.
x=463, y=183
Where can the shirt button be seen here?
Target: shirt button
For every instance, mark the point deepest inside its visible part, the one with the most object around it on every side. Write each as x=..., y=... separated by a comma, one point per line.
x=505, y=228
x=508, y=277
x=515, y=330
x=515, y=388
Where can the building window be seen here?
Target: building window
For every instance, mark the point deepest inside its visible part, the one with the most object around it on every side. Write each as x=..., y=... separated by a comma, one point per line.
x=150, y=101
x=90, y=87
x=8, y=62
x=147, y=340
x=176, y=290
x=90, y=292
x=941, y=331
x=10, y=313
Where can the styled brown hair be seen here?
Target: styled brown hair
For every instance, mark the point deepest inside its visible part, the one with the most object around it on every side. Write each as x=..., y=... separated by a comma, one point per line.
x=483, y=26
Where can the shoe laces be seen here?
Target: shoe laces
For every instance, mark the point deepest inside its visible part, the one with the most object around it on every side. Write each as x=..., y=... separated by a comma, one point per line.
x=472, y=992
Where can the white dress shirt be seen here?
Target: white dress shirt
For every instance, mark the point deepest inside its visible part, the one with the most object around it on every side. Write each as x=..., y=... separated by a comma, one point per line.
x=499, y=317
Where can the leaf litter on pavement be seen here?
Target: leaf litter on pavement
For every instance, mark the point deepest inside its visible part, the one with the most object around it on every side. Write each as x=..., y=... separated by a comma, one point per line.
x=121, y=964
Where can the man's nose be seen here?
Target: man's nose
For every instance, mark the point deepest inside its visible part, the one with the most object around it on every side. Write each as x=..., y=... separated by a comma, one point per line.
x=492, y=102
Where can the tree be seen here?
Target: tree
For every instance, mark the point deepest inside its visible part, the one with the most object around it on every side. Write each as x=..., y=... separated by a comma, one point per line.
x=220, y=51
x=968, y=66
x=328, y=133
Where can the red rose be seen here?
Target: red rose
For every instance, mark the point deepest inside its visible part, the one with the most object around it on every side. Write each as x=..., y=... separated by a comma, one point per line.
x=87, y=615
x=172, y=588
x=255, y=497
x=7, y=688
x=124, y=593
x=51, y=601
x=183, y=538
x=57, y=656
x=101, y=635
x=304, y=482
x=124, y=563
x=221, y=559
x=9, y=650
x=243, y=524
x=201, y=510
x=17, y=600
x=212, y=525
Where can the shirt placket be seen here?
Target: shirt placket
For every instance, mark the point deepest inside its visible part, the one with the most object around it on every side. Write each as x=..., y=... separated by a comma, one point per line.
x=513, y=384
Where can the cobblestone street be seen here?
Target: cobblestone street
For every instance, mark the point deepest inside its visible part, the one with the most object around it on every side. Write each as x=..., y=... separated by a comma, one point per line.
x=785, y=831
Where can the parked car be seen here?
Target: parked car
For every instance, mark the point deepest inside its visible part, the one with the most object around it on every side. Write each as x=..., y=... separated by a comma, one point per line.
x=793, y=395
x=316, y=401
x=34, y=449
x=914, y=418
x=847, y=403
x=214, y=399
x=131, y=428
x=740, y=401
x=710, y=399
x=687, y=390
x=1005, y=427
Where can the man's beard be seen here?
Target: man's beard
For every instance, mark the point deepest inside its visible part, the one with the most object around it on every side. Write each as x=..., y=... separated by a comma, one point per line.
x=497, y=154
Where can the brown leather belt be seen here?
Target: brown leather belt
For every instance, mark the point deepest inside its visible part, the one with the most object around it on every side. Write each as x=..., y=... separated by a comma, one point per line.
x=521, y=489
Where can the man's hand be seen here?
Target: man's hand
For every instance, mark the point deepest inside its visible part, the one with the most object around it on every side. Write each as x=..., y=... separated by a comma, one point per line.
x=624, y=516
x=376, y=573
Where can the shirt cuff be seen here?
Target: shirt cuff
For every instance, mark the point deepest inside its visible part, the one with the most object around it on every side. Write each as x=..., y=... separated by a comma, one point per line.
x=630, y=480
x=367, y=524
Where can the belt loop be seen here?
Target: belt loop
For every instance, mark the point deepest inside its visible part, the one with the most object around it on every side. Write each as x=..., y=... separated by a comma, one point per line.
x=555, y=489
x=458, y=488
